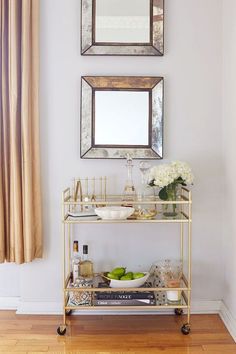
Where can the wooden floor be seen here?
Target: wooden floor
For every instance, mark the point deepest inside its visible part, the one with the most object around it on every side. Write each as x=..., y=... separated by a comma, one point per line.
x=113, y=334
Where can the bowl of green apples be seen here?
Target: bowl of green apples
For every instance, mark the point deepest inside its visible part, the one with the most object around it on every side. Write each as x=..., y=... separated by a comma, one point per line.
x=119, y=278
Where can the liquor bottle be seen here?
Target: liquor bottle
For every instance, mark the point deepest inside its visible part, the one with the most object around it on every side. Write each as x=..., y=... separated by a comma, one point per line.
x=75, y=261
x=85, y=265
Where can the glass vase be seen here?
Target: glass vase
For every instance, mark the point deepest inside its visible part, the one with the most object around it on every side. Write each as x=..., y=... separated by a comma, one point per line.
x=171, y=209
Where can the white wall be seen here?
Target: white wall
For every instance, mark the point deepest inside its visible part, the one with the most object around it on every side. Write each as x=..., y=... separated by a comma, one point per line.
x=192, y=71
x=229, y=146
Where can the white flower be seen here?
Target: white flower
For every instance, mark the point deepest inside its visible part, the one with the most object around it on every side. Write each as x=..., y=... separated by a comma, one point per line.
x=184, y=171
x=164, y=174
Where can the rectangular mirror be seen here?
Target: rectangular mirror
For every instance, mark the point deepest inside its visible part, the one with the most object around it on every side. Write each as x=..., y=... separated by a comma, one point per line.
x=122, y=27
x=120, y=116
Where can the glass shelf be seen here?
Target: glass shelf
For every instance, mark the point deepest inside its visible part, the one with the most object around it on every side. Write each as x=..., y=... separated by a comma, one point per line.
x=161, y=303
x=180, y=218
x=148, y=286
x=117, y=200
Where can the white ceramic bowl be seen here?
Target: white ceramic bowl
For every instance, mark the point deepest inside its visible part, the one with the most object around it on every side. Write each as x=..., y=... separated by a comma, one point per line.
x=114, y=212
x=135, y=283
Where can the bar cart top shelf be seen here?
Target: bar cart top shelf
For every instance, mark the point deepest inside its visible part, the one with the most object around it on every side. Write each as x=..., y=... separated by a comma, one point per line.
x=71, y=202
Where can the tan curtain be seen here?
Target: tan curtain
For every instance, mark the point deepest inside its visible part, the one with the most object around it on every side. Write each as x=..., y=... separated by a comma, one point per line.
x=20, y=195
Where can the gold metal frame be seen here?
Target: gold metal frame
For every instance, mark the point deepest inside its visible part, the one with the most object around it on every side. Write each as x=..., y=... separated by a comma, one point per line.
x=70, y=201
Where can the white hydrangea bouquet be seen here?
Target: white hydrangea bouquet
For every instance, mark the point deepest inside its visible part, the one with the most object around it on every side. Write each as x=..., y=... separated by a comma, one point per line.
x=168, y=176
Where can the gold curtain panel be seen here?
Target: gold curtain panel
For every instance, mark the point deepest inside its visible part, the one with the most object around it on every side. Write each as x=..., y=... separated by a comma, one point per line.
x=20, y=194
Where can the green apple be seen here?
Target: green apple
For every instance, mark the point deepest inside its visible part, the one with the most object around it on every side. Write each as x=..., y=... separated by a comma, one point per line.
x=126, y=277
x=119, y=271
x=112, y=276
x=138, y=275
x=130, y=274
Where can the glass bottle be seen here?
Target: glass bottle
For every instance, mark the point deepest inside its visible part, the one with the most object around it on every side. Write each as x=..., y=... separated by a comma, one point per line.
x=75, y=261
x=129, y=193
x=145, y=193
x=86, y=265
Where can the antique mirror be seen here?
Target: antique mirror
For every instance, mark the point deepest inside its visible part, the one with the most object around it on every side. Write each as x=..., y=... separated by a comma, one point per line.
x=120, y=116
x=122, y=27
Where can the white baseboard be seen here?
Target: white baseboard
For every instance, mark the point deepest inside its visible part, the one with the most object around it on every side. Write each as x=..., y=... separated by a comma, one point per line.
x=228, y=319
x=39, y=308
x=205, y=307
x=9, y=302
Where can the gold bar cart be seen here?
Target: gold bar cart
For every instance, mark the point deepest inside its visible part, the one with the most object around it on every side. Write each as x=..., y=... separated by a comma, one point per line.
x=73, y=198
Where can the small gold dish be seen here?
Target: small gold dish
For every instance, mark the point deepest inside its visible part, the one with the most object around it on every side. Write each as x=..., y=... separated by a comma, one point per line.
x=146, y=214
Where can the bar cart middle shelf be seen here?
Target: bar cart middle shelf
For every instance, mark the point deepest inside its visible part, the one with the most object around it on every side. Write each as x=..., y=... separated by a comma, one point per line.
x=184, y=218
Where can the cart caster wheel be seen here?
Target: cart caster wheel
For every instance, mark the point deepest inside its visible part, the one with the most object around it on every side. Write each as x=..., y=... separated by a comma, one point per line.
x=61, y=330
x=68, y=312
x=185, y=329
x=179, y=312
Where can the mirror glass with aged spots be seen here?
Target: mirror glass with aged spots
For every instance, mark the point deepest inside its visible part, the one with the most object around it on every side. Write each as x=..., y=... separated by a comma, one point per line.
x=122, y=27
x=116, y=110
x=121, y=116
x=119, y=21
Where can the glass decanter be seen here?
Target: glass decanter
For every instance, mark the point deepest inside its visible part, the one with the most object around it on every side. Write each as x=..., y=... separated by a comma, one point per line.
x=129, y=193
x=145, y=193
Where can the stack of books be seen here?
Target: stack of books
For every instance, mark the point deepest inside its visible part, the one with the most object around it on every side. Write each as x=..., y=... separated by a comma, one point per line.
x=128, y=298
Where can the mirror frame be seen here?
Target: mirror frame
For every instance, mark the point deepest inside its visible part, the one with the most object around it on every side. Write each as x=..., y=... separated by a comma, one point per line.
x=154, y=48
x=90, y=84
